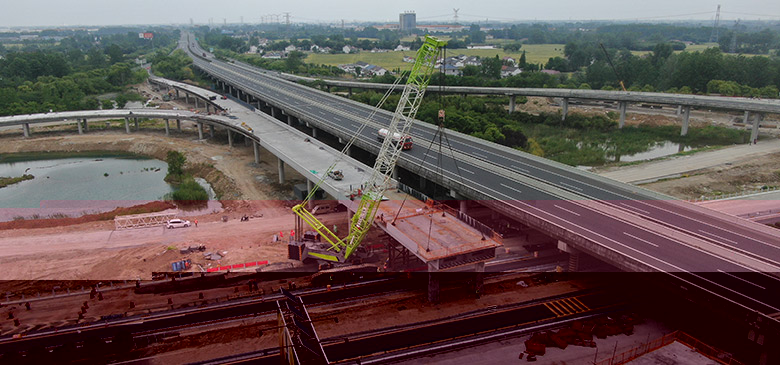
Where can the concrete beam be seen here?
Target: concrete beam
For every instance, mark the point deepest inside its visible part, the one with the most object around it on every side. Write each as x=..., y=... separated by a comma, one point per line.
x=167, y=128
x=564, y=108
x=257, y=152
x=127, y=125
x=686, y=120
x=281, y=170
x=26, y=130
x=622, y=107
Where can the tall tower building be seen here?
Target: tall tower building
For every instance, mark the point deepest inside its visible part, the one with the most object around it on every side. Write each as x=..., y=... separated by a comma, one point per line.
x=408, y=21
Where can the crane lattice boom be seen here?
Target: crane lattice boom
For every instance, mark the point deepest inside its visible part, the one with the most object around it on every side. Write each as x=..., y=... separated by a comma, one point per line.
x=401, y=123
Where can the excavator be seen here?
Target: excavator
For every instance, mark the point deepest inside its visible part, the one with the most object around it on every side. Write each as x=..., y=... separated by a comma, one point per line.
x=338, y=250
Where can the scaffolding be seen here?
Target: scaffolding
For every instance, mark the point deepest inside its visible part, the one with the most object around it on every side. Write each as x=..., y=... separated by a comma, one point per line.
x=142, y=220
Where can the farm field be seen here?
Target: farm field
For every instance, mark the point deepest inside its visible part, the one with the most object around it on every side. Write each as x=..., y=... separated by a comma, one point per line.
x=535, y=53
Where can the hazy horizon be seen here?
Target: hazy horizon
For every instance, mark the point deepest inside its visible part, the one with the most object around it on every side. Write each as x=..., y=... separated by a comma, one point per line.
x=146, y=12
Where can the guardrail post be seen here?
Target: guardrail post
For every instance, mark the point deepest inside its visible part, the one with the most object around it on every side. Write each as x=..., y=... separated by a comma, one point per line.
x=26, y=130
x=565, y=108
x=686, y=120
x=167, y=128
x=281, y=171
x=622, y=107
x=257, y=152
x=127, y=125
x=756, y=123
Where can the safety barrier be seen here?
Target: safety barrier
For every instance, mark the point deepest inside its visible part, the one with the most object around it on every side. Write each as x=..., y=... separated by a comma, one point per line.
x=237, y=266
x=678, y=336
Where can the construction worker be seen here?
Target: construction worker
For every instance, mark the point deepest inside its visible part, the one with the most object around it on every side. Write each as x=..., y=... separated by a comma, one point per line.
x=196, y=223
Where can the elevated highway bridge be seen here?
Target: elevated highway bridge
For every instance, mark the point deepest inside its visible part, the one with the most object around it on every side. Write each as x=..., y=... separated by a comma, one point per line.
x=626, y=226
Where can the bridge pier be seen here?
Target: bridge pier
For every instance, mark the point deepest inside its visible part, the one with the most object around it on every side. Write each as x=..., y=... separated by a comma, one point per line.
x=679, y=109
x=230, y=138
x=26, y=130
x=167, y=128
x=211, y=130
x=622, y=107
x=350, y=92
x=186, y=98
x=686, y=120
x=309, y=188
x=200, y=131
x=756, y=123
x=273, y=111
x=512, y=103
x=314, y=132
x=178, y=125
x=479, y=278
x=136, y=123
x=208, y=108
x=281, y=170
x=127, y=125
x=86, y=125
x=289, y=120
x=433, y=284
x=78, y=124
x=257, y=152
x=746, y=117
x=395, y=173
x=196, y=102
x=177, y=93
x=574, y=256
x=564, y=108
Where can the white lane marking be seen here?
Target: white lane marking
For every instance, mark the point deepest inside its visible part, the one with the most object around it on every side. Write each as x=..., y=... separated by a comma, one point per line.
x=509, y=187
x=716, y=236
x=635, y=208
x=564, y=209
x=640, y=239
x=479, y=154
x=462, y=169
x=570, y=186
x=737, y=277
x=520, y=169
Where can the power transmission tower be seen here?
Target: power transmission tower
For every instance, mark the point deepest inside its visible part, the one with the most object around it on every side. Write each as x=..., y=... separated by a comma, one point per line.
x=714, y=35
x=733, y=48
x=456, y=15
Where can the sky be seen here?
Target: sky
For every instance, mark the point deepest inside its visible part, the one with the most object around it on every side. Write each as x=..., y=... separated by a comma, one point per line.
x=117, y=12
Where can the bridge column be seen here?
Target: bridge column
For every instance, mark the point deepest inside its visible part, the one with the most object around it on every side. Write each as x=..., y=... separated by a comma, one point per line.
x=86, y=125
x=422, y=183
x=622, y=107
x=230, y=138
x=78, y=124
x=756, y=123
x=289, y=120
x=273, y=111
x=433, y=284
x=281, y=170
x=196, y=101
x=350, y=92
x=574, y=256
x=686, y=120
x=512, y=103
x=26, y=130
x=479, y=278
x=211, y=130
x=177, y=93
x=136, y=123
x=257, y=152
x=167, y=128
x=200, y=131
x=564, y=108
x=178, y=125
x=679, y=109
x=186, y=98
x=314, y=132
x=127, y=125
x=309, y=188
x=746, y=117
x=208, y=108
x=463, y=206
x=395, y=173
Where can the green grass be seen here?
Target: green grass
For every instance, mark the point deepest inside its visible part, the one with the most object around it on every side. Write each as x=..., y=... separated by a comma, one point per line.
x=535, y=53
x=5, y=181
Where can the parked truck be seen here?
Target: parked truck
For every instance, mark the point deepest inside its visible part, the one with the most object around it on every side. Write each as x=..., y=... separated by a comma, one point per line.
x=406, y=140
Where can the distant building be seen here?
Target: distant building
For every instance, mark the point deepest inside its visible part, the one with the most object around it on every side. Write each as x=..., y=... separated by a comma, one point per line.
x=349, y=49
x=403, y=48
x=407, y=21
x=551, y=72
x=507, y=71
x=272, y=55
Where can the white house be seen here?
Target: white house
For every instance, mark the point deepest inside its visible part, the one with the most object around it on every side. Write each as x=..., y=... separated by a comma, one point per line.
x=507, y=71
